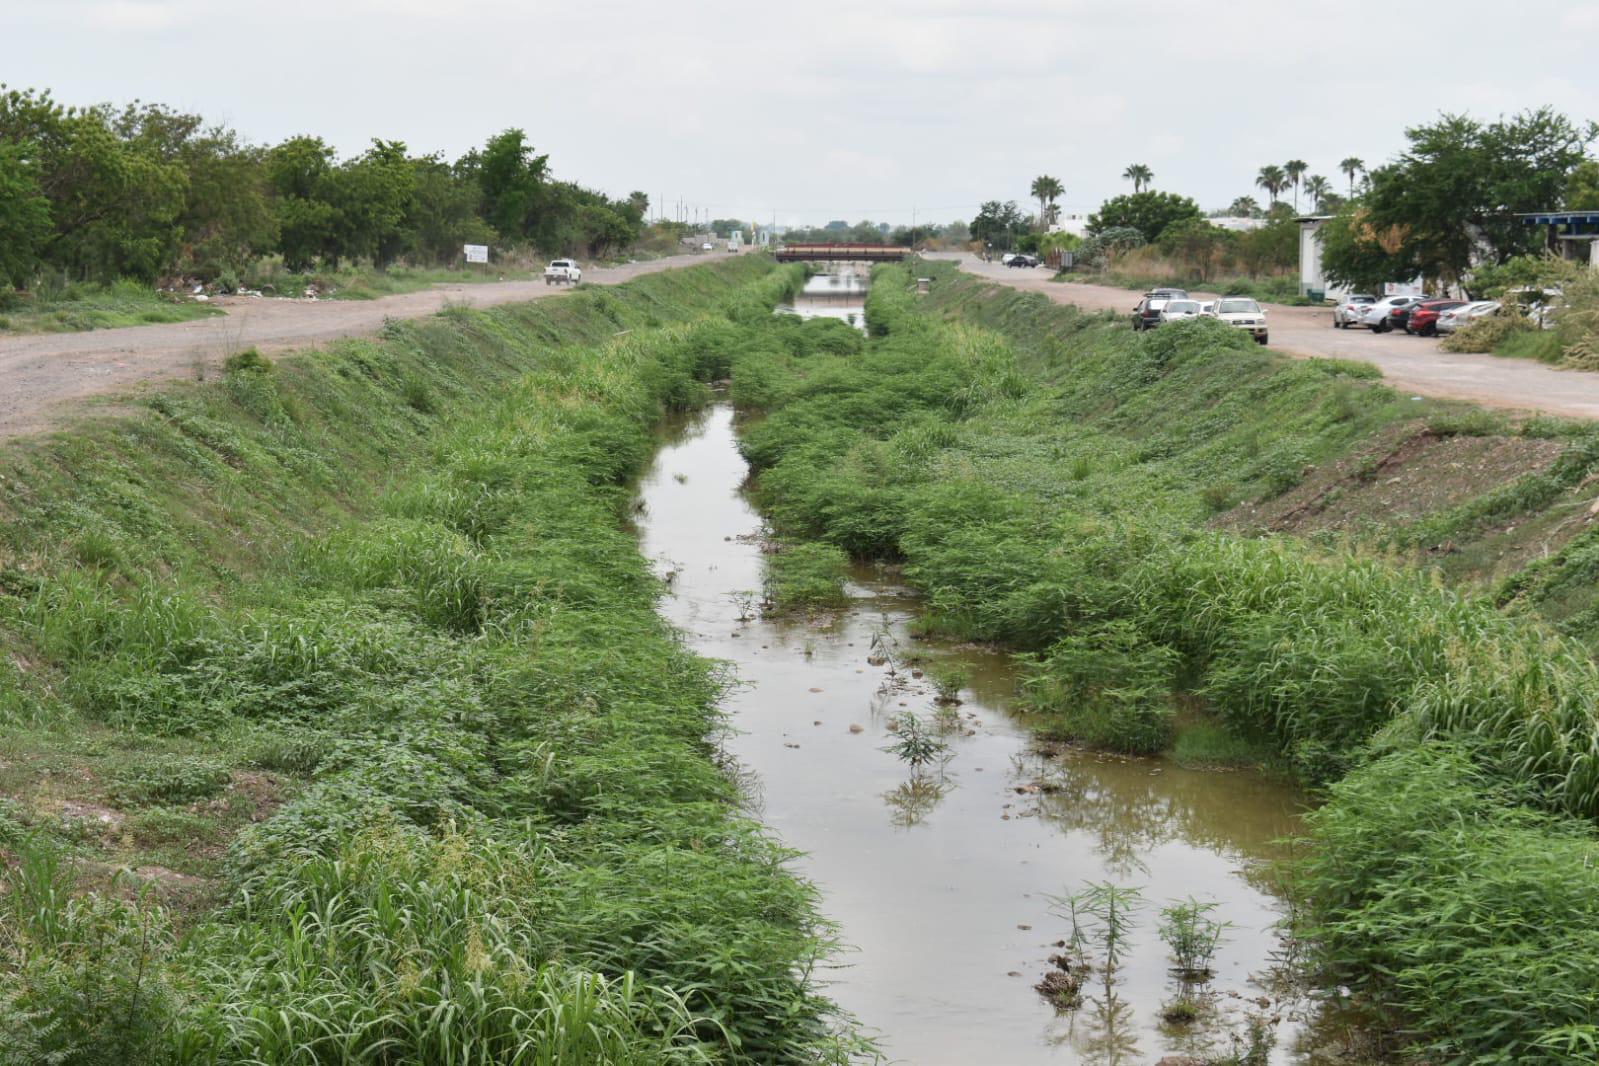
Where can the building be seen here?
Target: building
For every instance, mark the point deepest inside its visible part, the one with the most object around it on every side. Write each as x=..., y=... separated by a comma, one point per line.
x=1236, y=223
x=1076, y=225
x=1572, y=235
x=1311, y=278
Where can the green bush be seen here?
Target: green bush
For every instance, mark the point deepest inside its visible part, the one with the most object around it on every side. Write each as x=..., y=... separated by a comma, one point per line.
x=1107, y=687
x=804, y=576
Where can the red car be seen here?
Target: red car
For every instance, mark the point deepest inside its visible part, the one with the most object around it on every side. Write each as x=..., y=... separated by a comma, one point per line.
x=1422, y=319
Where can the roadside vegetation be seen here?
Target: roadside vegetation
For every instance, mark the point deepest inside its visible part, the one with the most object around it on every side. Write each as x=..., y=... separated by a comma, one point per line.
x=337, y=723
x=99, y=202
x=1059, y=486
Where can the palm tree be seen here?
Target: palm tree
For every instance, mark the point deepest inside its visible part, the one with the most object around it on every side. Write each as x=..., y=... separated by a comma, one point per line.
x=1244, y=207
x=1046, y=190
x=1318, y=187
x=1352, y=166
x=1295, y=169
x=1139, y=175
x=1273, y=179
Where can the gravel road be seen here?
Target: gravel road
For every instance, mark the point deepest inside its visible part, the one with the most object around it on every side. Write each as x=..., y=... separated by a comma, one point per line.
x=1409, y=363
x=46, y=375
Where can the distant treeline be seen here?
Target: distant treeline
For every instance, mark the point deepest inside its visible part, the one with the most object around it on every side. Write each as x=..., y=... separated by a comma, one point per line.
x=146, y=192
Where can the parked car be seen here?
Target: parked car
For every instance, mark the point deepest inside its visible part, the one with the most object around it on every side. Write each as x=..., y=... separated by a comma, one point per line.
x=1022, y=259
x=1208, y=308
x=1377, y=317
x=562, y=272
x=1422, y=319
x=1147, y=314
x=1179, y=310
x=1241, y=312
x=1348, y=311
x=1450, y=321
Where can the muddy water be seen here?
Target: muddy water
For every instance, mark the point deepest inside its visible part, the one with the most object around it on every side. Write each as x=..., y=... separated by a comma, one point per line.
x=941, y=883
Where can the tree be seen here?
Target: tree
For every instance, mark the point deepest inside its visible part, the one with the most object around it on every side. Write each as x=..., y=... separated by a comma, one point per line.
x=1582, y=188
x=514, y=185
x=1046, y=190
x=1272, y=179
x=1295, y=171
x=1197, y=242
x=444, y=211
x=1244, y=207
x=24, y=215
x=1355, y=254
x=998, y=224
x=1140, y=176
x=1351, y=166
x=1147, y=212
x=1455, y=192
x=297, y=171
x=1318, y=187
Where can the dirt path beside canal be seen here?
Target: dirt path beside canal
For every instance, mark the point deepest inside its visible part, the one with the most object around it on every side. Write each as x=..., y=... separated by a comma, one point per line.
x=1413, y=364
x=43, y=376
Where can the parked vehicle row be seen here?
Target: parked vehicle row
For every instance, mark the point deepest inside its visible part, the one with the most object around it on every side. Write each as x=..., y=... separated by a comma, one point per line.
x=1160, y=306
x=1422, y=316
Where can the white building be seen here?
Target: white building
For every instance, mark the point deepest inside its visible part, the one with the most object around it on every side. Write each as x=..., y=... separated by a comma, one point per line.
x=1076, y=225
x=1310, y=272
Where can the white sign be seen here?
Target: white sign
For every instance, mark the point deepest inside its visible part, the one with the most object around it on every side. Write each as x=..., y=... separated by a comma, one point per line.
x=477, y=253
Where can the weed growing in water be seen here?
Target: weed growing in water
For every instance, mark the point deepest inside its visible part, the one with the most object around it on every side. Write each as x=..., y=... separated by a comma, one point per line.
x=1193, y=936
x=916, y=744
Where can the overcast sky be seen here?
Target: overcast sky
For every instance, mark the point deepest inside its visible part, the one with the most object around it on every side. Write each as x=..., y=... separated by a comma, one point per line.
x=831, y=109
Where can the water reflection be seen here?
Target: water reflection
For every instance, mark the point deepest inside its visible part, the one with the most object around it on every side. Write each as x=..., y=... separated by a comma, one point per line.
x=840, y=294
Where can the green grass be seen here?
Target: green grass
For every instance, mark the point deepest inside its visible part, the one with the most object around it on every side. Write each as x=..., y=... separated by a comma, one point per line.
x=1040, y=473
x=78, y=307
x=368, y=628
x=1544, y=345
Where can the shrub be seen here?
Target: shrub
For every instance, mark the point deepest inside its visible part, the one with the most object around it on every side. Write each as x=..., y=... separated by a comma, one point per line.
x=1106, y=687
x=806, y=576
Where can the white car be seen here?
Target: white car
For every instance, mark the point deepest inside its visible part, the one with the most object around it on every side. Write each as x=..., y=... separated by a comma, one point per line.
x=1179, y=310
x=562, y=272
x=1462, y=316
x=707, y=247
x=1375, y=317
x=1241, y=312
x=1350, y=308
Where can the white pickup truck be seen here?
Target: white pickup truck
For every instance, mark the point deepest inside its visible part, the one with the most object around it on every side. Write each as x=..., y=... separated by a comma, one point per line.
x=562, y=272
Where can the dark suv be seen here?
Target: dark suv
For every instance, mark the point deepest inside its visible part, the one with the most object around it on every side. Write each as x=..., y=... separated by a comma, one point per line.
x=1147, y=314
x=1022, y=259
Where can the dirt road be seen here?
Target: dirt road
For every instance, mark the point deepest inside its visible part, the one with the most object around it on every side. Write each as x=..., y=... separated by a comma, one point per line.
x=41, y=375
x=1413, y=364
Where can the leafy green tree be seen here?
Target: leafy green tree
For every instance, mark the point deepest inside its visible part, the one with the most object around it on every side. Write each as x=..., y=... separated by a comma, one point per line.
x=1140, y=176
x=444, y=211
x=515, y=186
x=1197, y=242
x=298, y=171
x=998, y=224
x=24, y=215
x=1147, y=212
x=1356, y=254
x=1268, y=249
x=372, y=196
x=1455, y=191
x=1582, y=188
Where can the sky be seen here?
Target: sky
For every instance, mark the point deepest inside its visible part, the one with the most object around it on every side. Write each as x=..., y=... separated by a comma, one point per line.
x=806, y=112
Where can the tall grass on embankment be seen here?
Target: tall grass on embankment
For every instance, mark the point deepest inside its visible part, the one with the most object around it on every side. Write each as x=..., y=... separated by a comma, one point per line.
x=384, y=599
x=1056, y=501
